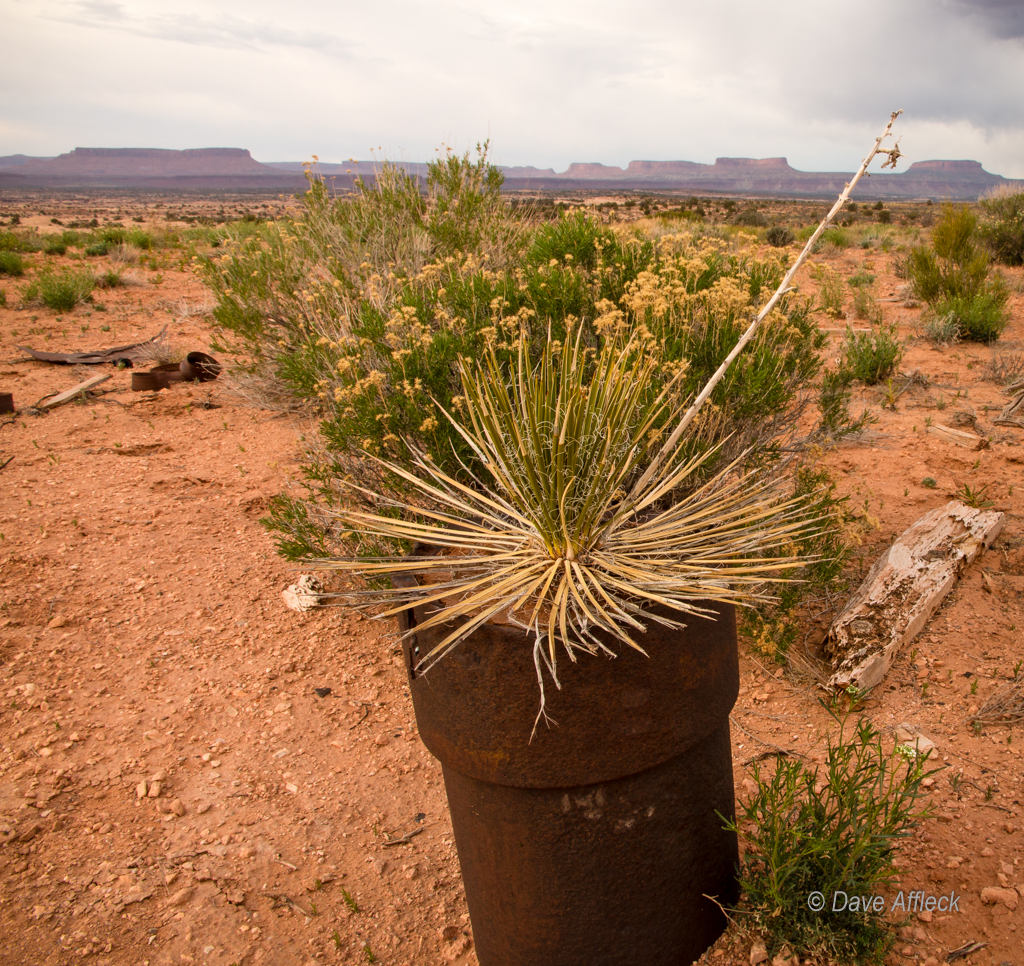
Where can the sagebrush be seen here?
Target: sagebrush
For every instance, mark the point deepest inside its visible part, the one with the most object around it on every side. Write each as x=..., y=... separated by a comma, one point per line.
x=810, y=832
x=362, y=308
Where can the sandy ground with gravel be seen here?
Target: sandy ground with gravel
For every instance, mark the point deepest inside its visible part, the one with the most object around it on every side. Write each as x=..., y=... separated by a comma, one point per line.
x=173, y=789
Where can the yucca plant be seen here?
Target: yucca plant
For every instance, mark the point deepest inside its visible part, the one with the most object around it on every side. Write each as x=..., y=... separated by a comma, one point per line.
x=577, y=527
x=579, y=519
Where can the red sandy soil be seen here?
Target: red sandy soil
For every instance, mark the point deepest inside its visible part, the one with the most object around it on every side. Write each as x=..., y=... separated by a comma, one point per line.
x=172, y=790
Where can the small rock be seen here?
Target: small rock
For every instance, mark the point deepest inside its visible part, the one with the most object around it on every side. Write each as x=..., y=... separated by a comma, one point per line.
x=170, y=878
x=204, y=808
x=246, y=852
x=758, y=954
x=59, y=621
x=141, y=789
x=45, y=752
x=954, y=862
x=154, y=789
x=159, y=776
x=235, y=896
x=178, y=807
x=292, y=787
x=456, y=949
x=180, y=897
x=30, y=833
x=912, y=736
x=304, y=594
x=987, y=852
x=993, y=894
x=924, y=916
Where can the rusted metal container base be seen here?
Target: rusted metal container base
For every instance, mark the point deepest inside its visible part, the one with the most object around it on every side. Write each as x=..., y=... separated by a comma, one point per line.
x=599, y=875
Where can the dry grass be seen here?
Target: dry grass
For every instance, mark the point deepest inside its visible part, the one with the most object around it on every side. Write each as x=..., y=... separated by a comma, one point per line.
x=1005, y=707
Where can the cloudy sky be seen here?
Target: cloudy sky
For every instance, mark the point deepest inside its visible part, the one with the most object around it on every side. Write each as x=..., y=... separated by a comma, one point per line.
x=548, y=81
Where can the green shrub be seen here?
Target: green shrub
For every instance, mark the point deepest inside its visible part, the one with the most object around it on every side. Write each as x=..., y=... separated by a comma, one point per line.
x=953, y=277
x=809, y=835
x=109, y=279
x=779, y=236
x=1003, y=228
x=865, y=306
x=61, y=292
x=54, y=245
x=871, y=356
x=831, y=291
x=3, y=298
x=752, y=218
x=140, y=239
x=834, y=237
x=11, y=263
x=979, y=318
x=10, y=242
x=97, y=249
x=363, y=307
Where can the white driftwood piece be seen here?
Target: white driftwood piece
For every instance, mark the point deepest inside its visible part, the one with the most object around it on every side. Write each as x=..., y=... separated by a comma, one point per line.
x=1013, y=414
x=959, y=437
x=904, y=589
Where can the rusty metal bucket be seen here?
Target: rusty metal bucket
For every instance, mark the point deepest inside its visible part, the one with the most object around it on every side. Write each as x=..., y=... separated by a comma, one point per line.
x=597, y=843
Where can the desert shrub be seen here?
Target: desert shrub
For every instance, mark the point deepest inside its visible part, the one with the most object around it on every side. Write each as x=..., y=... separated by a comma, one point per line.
x=865, y=306
x=54, y=245
x=980, y=318
x=97, y=249
x=812, y=834
x=362, y=308
x=871, y=356
x=952, y=276
x=942, y=330
x=123, y=254
x=833, y=238
x=885, y=217
x=11, y=263
x=139, y=239
x=831, y=291
x=109, y=279
x=60, y=291
x=779, y=236
x=751, y=217
x=1003, y=227
x=3, y=298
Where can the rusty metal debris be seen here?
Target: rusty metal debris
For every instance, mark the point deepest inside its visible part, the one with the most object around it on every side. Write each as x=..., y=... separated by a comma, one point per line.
x=127, y=353
x=197, y=367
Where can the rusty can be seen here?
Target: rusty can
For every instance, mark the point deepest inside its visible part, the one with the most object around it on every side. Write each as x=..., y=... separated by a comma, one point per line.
x=599, y=841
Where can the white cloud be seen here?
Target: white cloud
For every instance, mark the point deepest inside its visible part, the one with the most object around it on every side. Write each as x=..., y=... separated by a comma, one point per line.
x=550, y=82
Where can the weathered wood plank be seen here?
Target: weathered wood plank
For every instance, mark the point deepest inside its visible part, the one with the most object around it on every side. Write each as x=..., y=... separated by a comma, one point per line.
x=904, y=589
x=73, y=392
x=959, y=437
x=1013, y=413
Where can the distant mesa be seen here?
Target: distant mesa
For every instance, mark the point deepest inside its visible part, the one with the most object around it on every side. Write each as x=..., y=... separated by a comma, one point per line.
x=235, y=168
x=143, y=168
